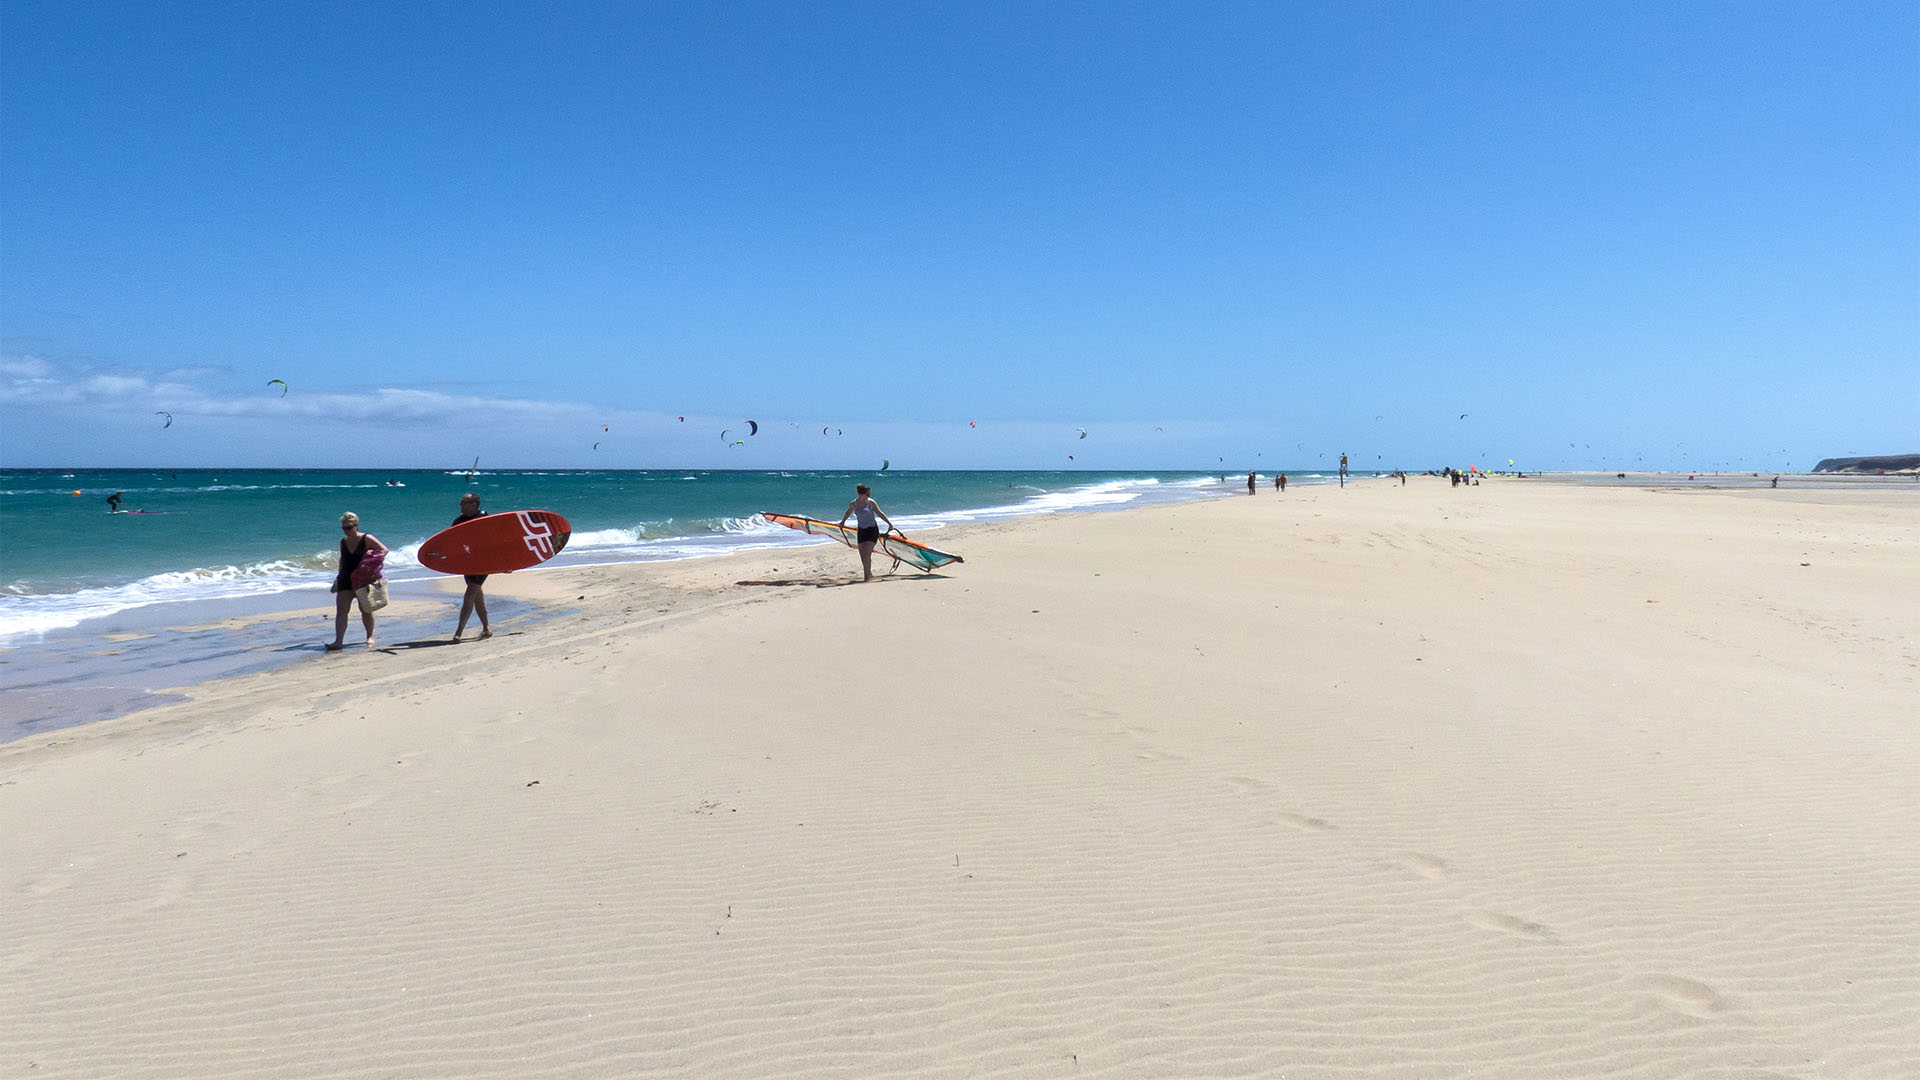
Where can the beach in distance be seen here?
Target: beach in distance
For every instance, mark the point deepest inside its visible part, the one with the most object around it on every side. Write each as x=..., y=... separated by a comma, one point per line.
x=1519, y=779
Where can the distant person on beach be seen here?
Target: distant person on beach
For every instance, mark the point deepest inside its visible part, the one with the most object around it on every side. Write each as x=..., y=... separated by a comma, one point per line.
x=354, y=546
x=1776, y=482
x=113, y=502
x=1282, y=482
x=1251, y=485
x=1343, y=470
x=864, y=511
x=474, y=601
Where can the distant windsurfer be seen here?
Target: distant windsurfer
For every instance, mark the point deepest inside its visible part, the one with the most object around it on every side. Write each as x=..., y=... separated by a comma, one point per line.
x=474, y=601
x=864, y=511
x=113, y=502
x=354, y=548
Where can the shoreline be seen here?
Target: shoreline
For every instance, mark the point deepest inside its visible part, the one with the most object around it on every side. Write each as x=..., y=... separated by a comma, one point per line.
x=1324, y=783
x=205, y=640
x=541, y=603
x=117, y=663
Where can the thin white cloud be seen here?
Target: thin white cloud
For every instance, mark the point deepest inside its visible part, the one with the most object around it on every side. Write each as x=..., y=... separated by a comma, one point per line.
x=114, y=386
x=32, y=381
x=24, y=367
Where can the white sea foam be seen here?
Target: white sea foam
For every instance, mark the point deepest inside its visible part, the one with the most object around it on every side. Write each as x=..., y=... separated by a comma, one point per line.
x=27, y=615
x=38, y=613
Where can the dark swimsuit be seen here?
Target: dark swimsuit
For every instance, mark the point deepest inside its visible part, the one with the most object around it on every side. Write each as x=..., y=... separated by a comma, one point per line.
x=472, y=579
x=349, y=562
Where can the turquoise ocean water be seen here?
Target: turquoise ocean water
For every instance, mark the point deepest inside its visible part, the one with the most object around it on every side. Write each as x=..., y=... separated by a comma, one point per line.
x=76, y=583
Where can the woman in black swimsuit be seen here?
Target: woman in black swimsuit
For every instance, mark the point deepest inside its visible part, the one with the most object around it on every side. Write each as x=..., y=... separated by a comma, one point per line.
x=354, y=546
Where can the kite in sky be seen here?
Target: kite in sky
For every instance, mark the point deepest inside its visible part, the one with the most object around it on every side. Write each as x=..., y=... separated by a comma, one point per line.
x=282, y=383
x=169, y=422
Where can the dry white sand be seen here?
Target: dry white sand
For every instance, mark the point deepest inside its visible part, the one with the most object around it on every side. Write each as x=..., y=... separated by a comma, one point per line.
x=1512, y=781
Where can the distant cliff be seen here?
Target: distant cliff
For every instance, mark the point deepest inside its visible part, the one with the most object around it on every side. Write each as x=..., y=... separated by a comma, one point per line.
x=1884, y=463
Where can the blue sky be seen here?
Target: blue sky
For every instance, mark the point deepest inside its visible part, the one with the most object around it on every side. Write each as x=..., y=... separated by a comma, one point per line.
x=1670, y=235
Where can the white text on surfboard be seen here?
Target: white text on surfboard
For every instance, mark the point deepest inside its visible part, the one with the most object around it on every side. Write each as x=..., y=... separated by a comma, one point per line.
x=538, y=534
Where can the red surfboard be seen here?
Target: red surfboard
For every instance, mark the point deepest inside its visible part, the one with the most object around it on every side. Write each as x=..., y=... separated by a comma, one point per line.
x=498, y=543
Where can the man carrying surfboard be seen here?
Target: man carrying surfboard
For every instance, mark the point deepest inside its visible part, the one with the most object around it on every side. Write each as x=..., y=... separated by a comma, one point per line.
x=474, y=600
x=864, y=510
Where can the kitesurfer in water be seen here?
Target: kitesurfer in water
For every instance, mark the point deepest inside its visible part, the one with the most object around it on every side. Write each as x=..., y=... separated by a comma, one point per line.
x=113, y=502
x=354, y=546
x=864, y=511
x=474, y=601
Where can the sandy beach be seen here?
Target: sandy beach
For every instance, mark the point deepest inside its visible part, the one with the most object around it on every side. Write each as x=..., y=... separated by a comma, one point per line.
x=1519, y=780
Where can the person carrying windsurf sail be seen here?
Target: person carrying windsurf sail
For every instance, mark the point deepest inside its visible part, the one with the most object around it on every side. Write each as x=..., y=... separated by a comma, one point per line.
x=864, y=511
x=474, y=601
x=355, y=546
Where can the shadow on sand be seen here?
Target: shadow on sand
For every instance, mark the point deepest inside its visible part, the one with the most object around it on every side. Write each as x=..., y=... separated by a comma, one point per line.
x=837, y=582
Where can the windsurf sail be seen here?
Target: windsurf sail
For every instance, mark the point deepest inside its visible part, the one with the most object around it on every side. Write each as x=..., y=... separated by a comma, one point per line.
x=899, y=548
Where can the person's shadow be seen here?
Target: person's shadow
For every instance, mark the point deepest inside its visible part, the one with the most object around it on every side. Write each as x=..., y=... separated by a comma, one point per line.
x=838, y=582
x=438, y=643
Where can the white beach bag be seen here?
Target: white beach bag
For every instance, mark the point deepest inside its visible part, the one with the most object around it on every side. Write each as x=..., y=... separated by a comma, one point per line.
x=373, y=597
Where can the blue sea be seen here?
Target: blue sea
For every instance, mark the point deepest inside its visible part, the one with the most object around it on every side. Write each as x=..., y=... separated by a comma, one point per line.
x=91, y=602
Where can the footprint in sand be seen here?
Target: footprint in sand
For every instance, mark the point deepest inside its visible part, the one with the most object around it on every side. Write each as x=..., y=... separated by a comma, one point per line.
x=47, y=884
x=1511, y=924
x=1685, y=995
x=1427, y=866
x=168, y=894
x=59, y=878
x=1248, y=784
x=1301, y=821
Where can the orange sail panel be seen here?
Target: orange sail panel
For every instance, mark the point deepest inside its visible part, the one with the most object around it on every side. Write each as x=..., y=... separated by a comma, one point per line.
x=899, y=548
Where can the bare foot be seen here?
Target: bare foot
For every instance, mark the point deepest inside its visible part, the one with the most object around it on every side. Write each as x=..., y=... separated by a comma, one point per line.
x=457, y=633
x=484, y=634
x=335, y=646
x=369, y=643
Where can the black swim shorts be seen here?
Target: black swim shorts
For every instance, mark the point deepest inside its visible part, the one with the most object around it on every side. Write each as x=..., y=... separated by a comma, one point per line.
x=869, y=534
x=476, y=579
